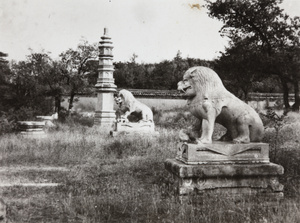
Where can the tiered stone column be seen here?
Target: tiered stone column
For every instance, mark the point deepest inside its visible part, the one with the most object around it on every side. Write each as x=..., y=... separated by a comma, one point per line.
x=105, y=87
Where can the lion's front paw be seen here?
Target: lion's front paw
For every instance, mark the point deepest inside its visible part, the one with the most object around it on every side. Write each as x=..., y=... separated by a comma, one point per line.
x=240, y=140
x=235, y=141
x=124, y=119
x=204, y=141
x=145, y=121
x=183, y=136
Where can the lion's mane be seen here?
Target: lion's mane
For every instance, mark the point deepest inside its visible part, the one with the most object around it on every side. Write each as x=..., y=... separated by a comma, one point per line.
x=128, y=97
x=207, y=83
x=131, y=104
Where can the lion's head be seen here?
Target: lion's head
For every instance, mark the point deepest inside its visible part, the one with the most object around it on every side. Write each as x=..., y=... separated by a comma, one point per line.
x=201, y=81
x=124, y=99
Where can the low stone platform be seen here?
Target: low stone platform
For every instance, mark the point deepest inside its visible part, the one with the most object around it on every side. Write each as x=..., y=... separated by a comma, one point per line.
x=134, y=128
x=32, y=129
x=227, y=179
x=225, y=168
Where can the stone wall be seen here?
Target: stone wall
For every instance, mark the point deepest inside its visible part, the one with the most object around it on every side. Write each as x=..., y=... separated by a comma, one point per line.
x=154, y=93
x=169, y=99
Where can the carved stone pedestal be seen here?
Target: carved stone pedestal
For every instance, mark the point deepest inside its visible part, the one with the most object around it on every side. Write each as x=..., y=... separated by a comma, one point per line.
x=122, y=127
x=223, y=152
x=226, y=169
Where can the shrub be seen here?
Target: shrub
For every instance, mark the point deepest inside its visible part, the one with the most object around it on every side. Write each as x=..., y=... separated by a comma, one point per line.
x=85, y=105
x=176, y=119
x=6, y=125
x=75, y=119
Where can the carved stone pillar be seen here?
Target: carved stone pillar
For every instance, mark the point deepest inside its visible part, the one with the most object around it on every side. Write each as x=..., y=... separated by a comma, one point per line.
x=105, y=115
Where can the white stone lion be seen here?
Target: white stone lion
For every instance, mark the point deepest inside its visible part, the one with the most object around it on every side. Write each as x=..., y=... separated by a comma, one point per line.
x=128, y=105
x=211, y=102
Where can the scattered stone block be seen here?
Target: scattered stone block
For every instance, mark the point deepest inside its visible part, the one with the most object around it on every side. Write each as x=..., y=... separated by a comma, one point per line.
x=50, y=117
x=32, y=129
x=49, y=124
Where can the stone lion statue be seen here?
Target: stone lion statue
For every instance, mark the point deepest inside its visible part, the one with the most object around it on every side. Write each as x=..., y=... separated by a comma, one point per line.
x=128, y=105
x=210, y=101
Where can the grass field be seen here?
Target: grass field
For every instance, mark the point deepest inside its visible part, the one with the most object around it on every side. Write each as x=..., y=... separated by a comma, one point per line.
x=123, y=179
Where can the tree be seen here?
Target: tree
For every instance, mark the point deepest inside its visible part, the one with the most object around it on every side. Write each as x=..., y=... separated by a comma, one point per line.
x=240, y=67
x=131, y=74
x=28, y=97
x=179, y=67
x=24, y=85
x=120, y=74
x=162, y=73
x=34, y=83
x=77, y=69
x=5, y=86
x=136, y=73
x=263, y=23
x=50, y=76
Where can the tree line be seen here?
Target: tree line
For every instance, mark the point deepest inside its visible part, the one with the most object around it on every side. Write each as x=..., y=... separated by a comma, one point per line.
x=164, y=75
x=29, y=86
x=263, y=56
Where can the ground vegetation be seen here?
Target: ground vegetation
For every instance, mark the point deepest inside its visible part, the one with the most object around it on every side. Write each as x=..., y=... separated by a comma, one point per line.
x=123, y=179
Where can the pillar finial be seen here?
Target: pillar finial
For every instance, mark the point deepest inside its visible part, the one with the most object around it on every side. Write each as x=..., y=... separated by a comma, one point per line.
x=105, y=31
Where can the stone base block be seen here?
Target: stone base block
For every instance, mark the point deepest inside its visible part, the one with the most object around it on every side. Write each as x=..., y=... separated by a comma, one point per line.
x=223, y=152
x=105, y=119
x=34, y=135
x=32, y=129
x=227, y=179
x=134, y=128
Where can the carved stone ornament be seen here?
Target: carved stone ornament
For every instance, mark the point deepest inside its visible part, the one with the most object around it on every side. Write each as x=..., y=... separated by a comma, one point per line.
x=128, y=105
x=209, y=101
x=223, y=152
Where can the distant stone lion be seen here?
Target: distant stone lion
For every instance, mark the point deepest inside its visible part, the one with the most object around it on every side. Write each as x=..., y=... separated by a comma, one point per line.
x=128, y=105
x=211, y=102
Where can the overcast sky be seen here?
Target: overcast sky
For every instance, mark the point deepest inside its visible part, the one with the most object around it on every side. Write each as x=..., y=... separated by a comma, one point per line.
x=152, y=29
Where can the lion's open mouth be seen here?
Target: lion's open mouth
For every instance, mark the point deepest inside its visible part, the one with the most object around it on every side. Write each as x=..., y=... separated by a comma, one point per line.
x=185, y=89
x=118, y=101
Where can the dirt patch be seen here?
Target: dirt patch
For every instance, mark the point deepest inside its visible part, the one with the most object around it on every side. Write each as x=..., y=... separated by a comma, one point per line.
x=32, y=176
x=31, y=168
x=29, y=184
